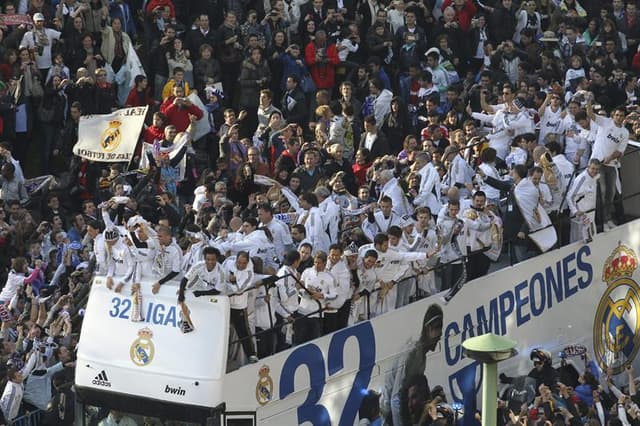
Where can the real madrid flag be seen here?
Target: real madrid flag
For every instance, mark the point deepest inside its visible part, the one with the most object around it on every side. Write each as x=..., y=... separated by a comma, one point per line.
x=110, y=137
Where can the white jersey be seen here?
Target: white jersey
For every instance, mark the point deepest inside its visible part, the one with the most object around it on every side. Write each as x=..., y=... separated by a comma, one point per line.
x=609, y=139
x=391, y=264
x=429, y=193
x=265, y=311
x=243, y=281
x=168, y=259
x=314, y=227
x=576, y=139
x=144, y=256
x=341, y=273
x=119, y=261
x=193, y=254
x=331, y=218
x=459, y=174
x=288, y=301
x=316, y=281
x=380, y=224
x=489, y=170
x=281, y=236
x=582, y=194
x=477, y=229
x=200, y=278
x=256, y=244
x=550, y=122
x=504, y=123
x=393, y=190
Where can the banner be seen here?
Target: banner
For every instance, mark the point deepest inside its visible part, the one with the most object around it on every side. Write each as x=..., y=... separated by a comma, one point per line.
x=10, y=20
x=110, y=137
x=35, y=184
x=180, y=140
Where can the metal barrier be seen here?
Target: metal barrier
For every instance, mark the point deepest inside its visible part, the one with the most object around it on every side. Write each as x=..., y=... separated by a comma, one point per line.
x=30, y=419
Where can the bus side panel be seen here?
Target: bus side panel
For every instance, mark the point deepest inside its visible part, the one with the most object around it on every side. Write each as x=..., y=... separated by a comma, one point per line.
x=153, y=358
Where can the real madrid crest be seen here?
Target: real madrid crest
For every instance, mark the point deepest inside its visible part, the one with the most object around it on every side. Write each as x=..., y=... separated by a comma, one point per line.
x=616, y=327
x=112, y=136
x=142, y=349
x=264, y=387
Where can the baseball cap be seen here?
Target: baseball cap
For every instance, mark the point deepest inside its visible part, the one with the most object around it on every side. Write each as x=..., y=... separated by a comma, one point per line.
x=38, y=17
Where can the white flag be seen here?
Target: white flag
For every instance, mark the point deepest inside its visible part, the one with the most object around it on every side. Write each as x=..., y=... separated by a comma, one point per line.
x=202, y=126
x=110, y=137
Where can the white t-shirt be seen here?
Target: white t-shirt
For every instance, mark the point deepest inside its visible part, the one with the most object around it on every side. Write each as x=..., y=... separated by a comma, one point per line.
x=30, y=40
x=609, y=139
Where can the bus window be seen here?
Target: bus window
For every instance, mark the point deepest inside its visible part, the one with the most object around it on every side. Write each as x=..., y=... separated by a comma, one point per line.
x=240, y=419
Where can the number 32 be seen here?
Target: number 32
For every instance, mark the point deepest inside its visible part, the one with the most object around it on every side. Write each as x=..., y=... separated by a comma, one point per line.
x=311, y=356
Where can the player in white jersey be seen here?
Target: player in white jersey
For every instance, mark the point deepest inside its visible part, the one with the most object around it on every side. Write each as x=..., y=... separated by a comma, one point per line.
x=198, y=241
x=238, y=273
x=368, y=282
x=144, y=248
x=319, y=292
x=338, y=267
x=381, y=220
x=204, y=277
x=609, y=145
x=279, y=231
x=168, y=262
x=581, y=199
x=551, y=117
x=117, y=259
x=287, y=302
x=577, y=146
x=257, y=242
x=425, y=240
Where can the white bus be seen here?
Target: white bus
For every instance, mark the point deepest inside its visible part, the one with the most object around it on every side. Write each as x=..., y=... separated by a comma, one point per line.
x=580, y=296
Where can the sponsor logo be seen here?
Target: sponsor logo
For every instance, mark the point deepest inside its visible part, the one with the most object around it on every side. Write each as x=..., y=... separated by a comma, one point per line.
x=264, y=387
x=142, y=349
x=101, y=380
x=616, y=327
x=175, y=391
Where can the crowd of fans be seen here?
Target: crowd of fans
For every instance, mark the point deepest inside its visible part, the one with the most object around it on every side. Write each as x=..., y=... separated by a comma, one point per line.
x=574, y=392
x=361, y=154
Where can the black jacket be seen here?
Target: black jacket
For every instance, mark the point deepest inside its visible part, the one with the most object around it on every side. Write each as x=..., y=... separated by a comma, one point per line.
x=503, y=23
x=296, y=111
x=513, y=220
x=380, y=146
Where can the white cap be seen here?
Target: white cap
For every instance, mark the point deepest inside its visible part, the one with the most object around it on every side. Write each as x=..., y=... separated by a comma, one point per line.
x=38, y=17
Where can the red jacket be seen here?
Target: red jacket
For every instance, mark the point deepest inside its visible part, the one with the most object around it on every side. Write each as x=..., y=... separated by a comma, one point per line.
x=133, y=100
x=155, y=3
x=635, y=63
x=324, y=75
x=179, y=116
x=463, y=16
x=153, y=133
x=360, y=172
x=165, y=104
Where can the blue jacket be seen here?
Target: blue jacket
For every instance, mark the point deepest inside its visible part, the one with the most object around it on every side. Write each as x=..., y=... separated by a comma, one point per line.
x=290, y=67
